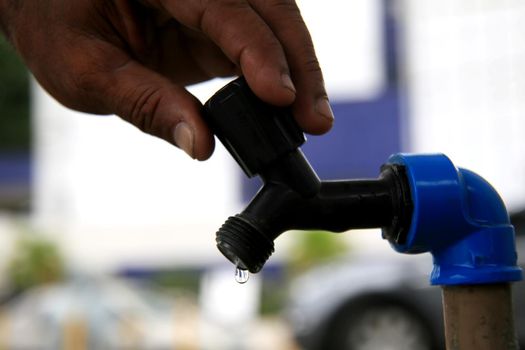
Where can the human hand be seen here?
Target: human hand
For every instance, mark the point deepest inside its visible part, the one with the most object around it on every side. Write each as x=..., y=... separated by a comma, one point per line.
x=134, y=57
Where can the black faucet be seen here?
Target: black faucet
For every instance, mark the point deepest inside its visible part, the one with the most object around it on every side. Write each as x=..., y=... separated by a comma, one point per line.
x=265, y=141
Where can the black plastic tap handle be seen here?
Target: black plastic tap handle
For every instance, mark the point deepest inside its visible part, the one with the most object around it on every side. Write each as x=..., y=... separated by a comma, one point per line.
x=255, y=133
x=265, y=141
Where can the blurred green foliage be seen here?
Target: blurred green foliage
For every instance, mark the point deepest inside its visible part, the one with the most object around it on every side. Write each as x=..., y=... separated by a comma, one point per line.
x=35, y=261
x=315, y=247
x=273, y=296
x=15, y=123
x=309, y=248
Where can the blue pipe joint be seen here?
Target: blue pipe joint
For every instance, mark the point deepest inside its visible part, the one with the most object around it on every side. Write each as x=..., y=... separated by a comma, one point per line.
x=461, y=220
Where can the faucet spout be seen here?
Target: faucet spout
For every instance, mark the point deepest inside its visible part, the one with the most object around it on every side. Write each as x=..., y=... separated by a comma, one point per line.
x=247, y=238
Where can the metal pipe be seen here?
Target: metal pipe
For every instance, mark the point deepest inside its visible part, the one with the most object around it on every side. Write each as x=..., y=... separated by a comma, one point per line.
x=479, y=317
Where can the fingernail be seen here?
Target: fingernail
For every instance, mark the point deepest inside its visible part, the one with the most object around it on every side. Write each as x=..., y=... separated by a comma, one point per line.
x=183, y=137
x=287, y=82
x=323, y=108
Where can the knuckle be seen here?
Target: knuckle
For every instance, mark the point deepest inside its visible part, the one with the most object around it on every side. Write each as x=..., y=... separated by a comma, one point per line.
x=142, y=111
x=86, y=81
x=289, y=6
x=282, y=9
x=78, y=90
x=311, y=65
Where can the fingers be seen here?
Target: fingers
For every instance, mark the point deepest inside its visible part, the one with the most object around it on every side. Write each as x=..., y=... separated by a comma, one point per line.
x=245, y=39
x=197, y=59
x=270, y=42
x=209, y=57
x=156, y=106
x=311, y=107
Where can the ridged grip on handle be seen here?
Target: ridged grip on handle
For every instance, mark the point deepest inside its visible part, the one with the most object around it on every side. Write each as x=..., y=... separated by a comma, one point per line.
x=255, y=133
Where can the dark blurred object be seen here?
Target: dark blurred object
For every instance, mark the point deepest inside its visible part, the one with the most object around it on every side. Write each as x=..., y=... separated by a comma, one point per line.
x=15, y=132
x=380, y=301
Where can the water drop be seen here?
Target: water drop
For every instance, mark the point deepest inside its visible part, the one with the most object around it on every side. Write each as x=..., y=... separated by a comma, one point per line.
x=241, y=276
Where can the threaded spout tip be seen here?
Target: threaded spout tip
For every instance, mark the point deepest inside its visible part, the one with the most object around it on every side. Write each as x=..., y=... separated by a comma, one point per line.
x=241, y=242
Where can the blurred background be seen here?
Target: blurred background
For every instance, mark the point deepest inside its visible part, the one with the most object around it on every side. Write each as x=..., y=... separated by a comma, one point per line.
x=107, y=235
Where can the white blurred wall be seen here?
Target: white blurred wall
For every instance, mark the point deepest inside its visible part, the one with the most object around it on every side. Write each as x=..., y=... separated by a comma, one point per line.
x=348, y=38
x=465, y=73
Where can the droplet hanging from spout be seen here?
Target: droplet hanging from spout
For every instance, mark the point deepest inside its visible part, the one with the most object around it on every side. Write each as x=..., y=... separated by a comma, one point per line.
x=241, y=276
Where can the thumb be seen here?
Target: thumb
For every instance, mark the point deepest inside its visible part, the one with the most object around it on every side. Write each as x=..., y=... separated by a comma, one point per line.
x=156, y=106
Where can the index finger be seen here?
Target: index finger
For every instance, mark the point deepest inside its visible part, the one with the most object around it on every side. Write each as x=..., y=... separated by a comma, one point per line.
x=311, y=107
x=245, y=39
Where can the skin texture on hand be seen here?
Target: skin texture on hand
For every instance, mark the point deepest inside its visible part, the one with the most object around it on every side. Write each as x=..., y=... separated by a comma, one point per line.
x=133, y=58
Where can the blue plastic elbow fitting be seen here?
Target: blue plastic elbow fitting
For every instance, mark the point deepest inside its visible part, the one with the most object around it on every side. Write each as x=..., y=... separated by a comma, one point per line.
x=461, y=220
